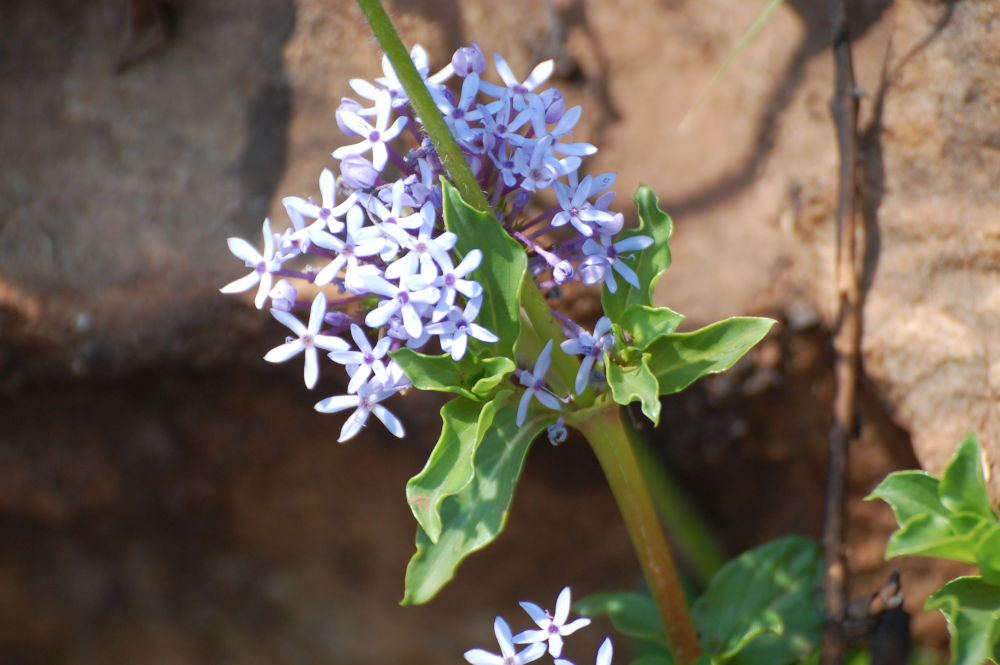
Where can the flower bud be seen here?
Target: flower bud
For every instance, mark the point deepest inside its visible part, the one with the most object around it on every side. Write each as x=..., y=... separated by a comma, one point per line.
x=469, y=59
x=358, y=173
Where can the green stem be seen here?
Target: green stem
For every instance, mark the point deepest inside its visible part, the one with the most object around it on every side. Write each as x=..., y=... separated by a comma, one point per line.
x=610, y=440
x=424, y=106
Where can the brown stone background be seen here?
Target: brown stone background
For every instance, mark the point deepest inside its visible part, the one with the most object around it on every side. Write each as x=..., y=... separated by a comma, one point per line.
x=168, y=497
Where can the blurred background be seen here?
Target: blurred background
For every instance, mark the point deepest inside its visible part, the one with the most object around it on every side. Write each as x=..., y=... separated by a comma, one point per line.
x=166, y=496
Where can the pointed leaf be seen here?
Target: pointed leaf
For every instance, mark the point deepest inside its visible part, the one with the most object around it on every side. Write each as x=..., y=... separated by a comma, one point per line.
x=650, y=262
x=971, y=606
x=762, y=607
x=679, y=359
x=449, y=467
x=963, y=487
x=500, y=272
x=635, y=383
x=474, y=517
x=471, y=377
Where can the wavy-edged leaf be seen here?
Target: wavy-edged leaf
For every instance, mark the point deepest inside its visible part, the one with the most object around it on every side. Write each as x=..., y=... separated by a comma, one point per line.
x=971, y=605
x=475, y=516
x=500, y=272
x=450, y=465
x=635, y=383
x=679, y=359
x=762, y=606
x=910, y=493
x=472, y=377
x=644, y=323
x=649, y=263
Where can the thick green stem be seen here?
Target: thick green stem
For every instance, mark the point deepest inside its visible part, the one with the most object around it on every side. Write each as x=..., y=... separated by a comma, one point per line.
x=610, y=440
x=422, y=103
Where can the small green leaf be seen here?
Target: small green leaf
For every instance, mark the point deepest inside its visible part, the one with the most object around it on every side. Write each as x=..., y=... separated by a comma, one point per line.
x=910, y=493
x=471, y=377
x=634, y=383
x=632, y=614
x=475, y=516
x=762, y=607
x=644, y=323
x=963, y=487
x=500, y=272
x=650, y=262
x=679, y=359
x=971, y=605
x=449, y=467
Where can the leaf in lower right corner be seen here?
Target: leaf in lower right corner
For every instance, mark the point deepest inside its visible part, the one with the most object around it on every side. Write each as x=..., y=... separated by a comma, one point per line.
x=971, y=605
x=761, y=608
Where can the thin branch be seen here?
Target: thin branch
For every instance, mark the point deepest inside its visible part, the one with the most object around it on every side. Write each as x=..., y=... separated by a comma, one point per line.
x=846, y=336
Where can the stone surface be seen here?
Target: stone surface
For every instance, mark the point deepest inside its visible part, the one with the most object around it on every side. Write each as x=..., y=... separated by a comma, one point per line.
x=933, y=307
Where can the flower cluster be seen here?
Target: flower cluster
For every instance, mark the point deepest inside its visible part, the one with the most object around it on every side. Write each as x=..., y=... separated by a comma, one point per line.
x=547, y=637
x=372, y=261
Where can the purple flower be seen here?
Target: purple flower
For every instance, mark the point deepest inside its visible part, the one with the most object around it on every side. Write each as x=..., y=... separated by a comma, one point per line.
x=551, y=628
x=307, y=341
x=611, y=255
x=327, y=213
x=456, y=328
x=517, y=89
x=359, y=241
x=365, y=402
x=591, y=347
x=374, y=136
x=534, y=381
x=508, y=654
x=401, y=299
x=263, y=266
x=366, y=361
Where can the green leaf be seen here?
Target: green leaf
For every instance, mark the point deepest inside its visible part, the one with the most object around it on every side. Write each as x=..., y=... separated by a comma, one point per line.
x=644, y=323
x=909, y=494
x=650, y=262
x=988, y=555
x=500, y=272
x=471, y=377
x=679, y=359
x=950, y=518
x=449, y=467
x=635, y=383
x=963, y=487
x=971, y=606
x=475, y=516
x=762, y=607
x=930, y=535
x=632, y=614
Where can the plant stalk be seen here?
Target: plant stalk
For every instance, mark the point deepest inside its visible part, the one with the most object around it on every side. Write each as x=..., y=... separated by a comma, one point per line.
x=424, y=106
x=611, y=441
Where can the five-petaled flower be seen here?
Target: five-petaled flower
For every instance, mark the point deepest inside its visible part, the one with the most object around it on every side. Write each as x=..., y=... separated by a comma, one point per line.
x=308, y=339
x=508, y=654
x=551, y=627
